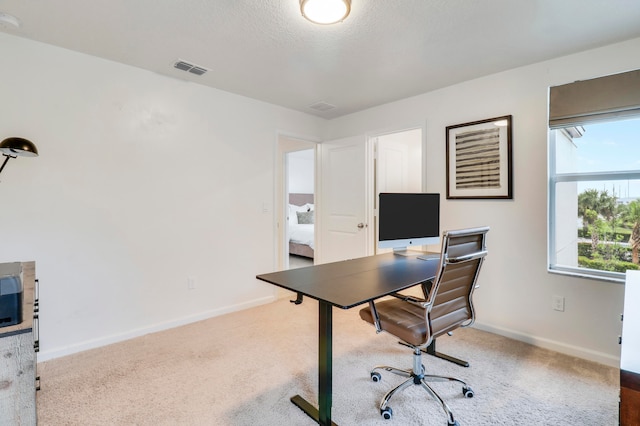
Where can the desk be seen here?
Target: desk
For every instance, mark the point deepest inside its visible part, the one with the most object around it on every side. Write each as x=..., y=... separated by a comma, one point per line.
x=346, y=284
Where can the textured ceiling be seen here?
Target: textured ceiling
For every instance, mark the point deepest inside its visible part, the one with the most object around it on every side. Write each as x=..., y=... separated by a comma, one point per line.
x=384, y=51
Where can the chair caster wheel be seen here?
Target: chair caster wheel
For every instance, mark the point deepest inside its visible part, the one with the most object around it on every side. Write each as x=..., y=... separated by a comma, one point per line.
x=455, y=423
x=386, y=413
x=467, y=392
x=375, y=376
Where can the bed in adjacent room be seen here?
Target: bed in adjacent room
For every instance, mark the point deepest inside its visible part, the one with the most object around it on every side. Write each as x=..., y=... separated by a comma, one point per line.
x=300, y=221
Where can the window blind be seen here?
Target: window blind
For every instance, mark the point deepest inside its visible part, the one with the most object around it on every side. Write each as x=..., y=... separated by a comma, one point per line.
x=604, y=98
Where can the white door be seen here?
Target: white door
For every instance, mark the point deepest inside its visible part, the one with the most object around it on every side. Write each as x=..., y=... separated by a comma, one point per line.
x=398, y=165
x=399, y=161
x=344, y=207
x=392, y=174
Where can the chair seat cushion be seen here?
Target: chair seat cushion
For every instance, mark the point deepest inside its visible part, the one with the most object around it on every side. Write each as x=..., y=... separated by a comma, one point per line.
x=406, y=321
x=402, y=319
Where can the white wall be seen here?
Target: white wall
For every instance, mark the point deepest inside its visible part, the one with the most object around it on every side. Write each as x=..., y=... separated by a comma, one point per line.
x=142, y=182
x=301, y=171
x=516, y=289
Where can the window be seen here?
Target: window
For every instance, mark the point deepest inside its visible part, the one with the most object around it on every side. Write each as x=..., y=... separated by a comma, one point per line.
x=595, y=198
x=594, y=177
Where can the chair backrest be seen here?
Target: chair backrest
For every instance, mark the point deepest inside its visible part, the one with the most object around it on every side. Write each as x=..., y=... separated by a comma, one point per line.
x=450, y=295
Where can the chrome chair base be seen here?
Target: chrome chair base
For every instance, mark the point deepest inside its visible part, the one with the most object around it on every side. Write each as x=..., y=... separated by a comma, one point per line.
x=431, y=350
x=416, y=376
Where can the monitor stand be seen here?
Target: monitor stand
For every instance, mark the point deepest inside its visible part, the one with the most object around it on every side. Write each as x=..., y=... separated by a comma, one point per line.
x=422, y=255
x=402, y=251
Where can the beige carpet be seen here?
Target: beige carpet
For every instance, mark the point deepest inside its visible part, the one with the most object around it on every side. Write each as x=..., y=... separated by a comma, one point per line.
x=242, y=368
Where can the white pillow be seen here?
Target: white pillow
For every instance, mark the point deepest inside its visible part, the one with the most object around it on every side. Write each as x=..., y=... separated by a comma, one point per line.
x=310, y=206
x=293, y=217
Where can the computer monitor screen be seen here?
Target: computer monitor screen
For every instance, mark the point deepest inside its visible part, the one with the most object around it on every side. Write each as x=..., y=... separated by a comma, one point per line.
x=408, y=219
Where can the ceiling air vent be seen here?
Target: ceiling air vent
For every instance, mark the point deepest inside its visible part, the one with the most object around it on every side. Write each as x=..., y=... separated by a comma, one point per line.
x=322, y=106
x=188, y=67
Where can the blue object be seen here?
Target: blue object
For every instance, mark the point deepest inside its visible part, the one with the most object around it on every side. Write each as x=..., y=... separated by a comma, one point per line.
x=11, y=296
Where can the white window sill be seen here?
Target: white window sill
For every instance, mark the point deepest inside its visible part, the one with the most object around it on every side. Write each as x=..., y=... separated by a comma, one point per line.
x=614, y=277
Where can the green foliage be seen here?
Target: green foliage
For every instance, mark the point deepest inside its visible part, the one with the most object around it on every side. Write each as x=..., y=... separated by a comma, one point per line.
x=607, y=224
x=631, y=213
x=584, y=250
x=606, y=265
x=593, y=203
x=620, y=234
x=605, y=251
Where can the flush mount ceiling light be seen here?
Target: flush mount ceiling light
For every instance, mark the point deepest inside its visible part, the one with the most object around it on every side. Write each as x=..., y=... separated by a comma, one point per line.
x=325, y=12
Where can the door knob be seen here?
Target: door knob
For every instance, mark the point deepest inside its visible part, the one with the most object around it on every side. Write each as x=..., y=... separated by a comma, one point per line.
x=361, y=225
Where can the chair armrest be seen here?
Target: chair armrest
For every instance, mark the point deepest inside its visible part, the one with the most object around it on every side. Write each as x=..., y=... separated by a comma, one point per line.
x=411, y=299
x=467, y=257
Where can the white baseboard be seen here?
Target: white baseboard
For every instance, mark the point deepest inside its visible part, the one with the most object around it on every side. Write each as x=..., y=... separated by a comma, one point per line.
x=115, y=338
x=591, y=355
x=577, y=351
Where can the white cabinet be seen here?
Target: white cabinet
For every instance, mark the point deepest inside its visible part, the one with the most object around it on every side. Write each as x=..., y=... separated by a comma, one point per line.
x=630, y=353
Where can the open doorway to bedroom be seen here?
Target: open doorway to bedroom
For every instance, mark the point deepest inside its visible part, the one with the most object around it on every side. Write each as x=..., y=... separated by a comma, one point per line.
x=296, y=202
x=300, y=177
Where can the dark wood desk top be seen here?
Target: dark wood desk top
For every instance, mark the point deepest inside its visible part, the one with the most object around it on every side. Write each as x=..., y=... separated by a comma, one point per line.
x=353, y=282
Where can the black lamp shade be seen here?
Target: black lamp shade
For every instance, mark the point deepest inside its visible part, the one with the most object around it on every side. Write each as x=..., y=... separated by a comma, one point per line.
x=18, y=147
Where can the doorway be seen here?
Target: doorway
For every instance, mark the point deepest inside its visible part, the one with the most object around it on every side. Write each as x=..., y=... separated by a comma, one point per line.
x=352, y=171
x=300, y=198
x=397, y=166
x=295, y=181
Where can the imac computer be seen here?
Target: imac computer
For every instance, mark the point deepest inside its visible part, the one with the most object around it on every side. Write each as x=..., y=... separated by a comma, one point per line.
x=408, y=219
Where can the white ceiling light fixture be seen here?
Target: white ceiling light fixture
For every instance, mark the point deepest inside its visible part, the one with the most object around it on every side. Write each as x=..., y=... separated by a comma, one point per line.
x=325, y=12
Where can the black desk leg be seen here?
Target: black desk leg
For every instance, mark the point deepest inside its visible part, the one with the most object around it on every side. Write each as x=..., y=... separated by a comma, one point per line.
x=325, y=378
x=322, y=415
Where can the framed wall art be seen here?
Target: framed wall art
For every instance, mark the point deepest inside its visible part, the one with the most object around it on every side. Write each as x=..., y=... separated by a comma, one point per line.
x=479, y=159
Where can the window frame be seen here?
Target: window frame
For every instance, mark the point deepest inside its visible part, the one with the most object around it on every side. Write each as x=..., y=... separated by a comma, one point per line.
x=609, y=98
x=556, y=178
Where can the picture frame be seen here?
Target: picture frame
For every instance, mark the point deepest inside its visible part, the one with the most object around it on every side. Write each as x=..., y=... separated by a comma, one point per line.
x=479, y=159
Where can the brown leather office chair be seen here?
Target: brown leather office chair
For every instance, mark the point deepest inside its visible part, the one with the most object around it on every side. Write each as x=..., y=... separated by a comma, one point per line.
x=447, y=305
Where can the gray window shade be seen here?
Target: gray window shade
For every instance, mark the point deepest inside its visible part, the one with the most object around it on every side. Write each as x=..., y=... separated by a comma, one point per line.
x=598, y=99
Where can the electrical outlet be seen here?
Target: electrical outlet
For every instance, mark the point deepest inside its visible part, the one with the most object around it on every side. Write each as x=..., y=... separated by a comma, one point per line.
x=191, y=283
x=557, y=303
